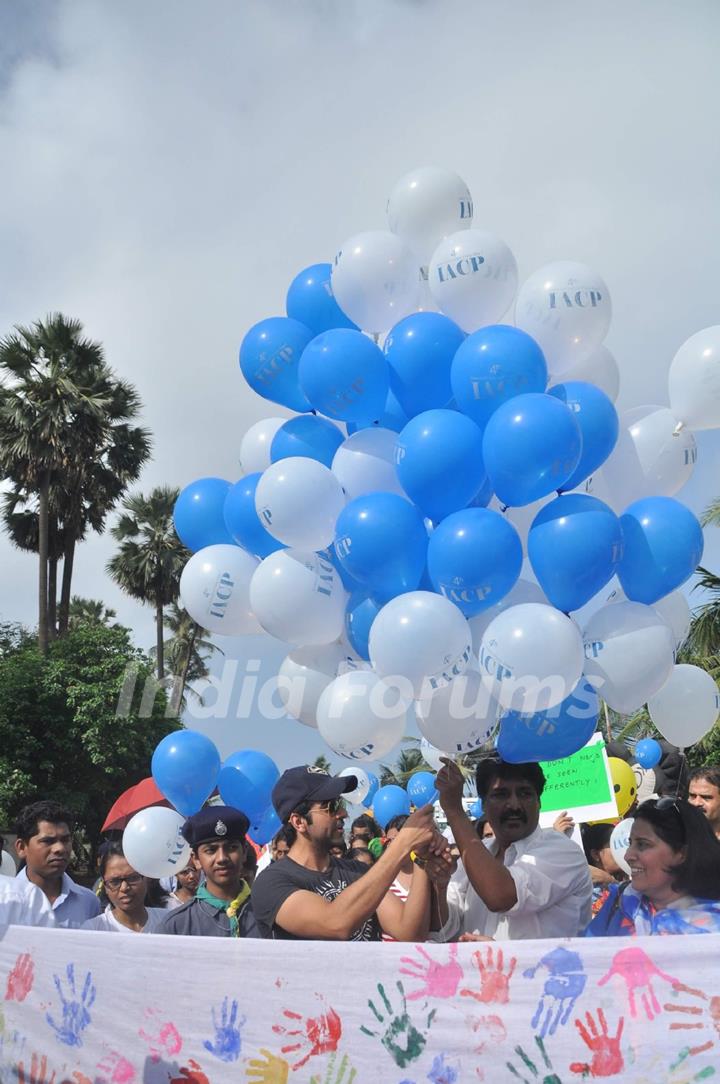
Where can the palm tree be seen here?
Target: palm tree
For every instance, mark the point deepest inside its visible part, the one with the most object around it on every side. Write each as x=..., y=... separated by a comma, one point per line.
x=151, y=556
x=186, y=653
x=65, y=442
x=89, y=611
x=408, y=762
x=323, y=763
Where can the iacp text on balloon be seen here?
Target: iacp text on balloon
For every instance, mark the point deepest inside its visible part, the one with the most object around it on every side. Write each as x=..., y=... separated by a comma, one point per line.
x=448, y=674
x=580, y=299
x=222, y=595
x=267, y=372
x=487, y=389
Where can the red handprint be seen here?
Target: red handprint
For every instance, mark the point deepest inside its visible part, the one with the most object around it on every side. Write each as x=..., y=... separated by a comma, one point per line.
x=490, y=1030
x=190, y=1074
x=607, y=1059
x=38, y=1071
x=20, y=979
x=494, y=982
x=695, y=1010
x=438, y=979
x=319, y=1034
x=637, y=970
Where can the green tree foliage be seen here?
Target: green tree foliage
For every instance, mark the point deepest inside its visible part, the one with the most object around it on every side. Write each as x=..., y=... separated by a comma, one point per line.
x=60, y=736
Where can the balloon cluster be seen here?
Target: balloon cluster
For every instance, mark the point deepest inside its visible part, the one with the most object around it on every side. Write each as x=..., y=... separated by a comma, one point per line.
x=187, y=769
x=450, y=426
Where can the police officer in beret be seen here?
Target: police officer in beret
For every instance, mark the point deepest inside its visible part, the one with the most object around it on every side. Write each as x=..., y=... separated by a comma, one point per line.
x=221, y=907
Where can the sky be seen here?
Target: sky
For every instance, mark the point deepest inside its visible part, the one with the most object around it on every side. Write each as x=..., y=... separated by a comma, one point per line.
x=168, y=168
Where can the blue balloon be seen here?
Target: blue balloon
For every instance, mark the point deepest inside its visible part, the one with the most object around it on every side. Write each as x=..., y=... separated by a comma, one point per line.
x=360, y=613
x=419, y=351
x=421, y=789
x=493, y=365
x=246, y=781
x=345, y=376
x=389, y=802
x=439, y=462
x=483, y=496
x=199, y=514
x=381, y=541
x=185, y=766
x=243, y=522
x=265, y=827
x=474, y=558
x=270, y=359
x=476, y=810
x=374, y=785
x=553, y=734
x=310, y=300
x=574, y=545
x=393, y=418
x=531, y=446
x=663, y=547
x=598, y=421
x=308, y=436
x=648, y=753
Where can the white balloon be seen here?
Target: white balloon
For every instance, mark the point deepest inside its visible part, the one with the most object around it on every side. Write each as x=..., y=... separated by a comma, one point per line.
x=531, y=657
x=473, y=277
x=298, y=597
x=423, y=638
x=431, y=755
x=460, y=717
x=694, y=380
x=566, y=308
x=686, y=708
x=620, y=841
x=600, y=369
x=152, y=842
x=674, y=609
x=426, y=205
x=298, y=501
x=305, y=674
x=255, y=445
x=362, y=717
x=365, y=463
x=649, y=459
x=629, y=653
x=523, y=591
x=215, y=590
x=7, y=866
x=357, y=796
x=376, y=280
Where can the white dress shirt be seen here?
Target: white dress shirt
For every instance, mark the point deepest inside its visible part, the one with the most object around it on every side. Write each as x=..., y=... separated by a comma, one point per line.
x=553, y=887
x=23, y=904
x=73, y=906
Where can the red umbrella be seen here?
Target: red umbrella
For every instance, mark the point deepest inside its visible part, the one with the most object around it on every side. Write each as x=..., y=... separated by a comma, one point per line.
x=131, y=801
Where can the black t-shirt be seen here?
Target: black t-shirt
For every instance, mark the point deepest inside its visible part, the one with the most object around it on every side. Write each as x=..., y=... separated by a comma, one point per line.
x=276, y=883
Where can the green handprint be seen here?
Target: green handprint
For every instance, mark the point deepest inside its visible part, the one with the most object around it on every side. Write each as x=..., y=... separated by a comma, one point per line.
x=340, y=1077
x=401, y=1038
x=551, y=1078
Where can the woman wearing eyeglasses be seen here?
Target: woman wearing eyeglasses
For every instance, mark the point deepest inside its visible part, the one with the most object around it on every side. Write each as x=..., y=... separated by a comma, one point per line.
x=674, y=860
x=126, y=892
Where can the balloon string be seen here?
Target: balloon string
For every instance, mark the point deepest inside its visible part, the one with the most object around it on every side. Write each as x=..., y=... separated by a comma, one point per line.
x=678, y=428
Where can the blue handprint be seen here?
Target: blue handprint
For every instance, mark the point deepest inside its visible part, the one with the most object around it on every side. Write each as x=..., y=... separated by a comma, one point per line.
x=563, y=986
x=440, y=1073
x=75, y=1011
x=227, y=1033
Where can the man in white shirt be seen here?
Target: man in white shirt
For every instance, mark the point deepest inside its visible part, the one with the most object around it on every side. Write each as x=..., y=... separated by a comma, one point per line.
x=44, y=843
x=23, y=905
x=525, y=882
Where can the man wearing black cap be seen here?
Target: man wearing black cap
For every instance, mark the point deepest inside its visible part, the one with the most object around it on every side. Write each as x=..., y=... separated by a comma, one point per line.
x=311, y=895
x=221, y=907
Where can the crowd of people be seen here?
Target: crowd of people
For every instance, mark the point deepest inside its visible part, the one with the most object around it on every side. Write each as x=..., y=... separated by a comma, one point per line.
x=500, y=878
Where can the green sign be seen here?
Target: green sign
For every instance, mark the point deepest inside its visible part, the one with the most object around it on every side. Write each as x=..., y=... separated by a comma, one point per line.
x=578, y=781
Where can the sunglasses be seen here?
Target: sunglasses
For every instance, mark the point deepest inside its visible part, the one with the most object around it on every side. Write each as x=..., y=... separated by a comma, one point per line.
x=334, y=805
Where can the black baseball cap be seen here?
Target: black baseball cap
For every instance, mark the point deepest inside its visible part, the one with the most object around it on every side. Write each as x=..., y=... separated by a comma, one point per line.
x=308, y=784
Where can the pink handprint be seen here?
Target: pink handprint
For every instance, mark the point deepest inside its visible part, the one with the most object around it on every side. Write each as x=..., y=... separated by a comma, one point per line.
x=162, y=1036
x=20, y=979
x=116, y=1069
x=494, y=981
x=607, y=1059
x=315, y=1035
x=489, y=1031
x=637, y=970
x=437, y=979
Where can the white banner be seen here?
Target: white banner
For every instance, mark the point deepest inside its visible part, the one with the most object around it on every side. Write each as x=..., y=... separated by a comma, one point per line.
x=94, y=1008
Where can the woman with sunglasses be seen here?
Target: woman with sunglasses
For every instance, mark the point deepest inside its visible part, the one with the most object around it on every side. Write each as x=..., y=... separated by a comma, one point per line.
x=126, y=892
x=674, y=860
